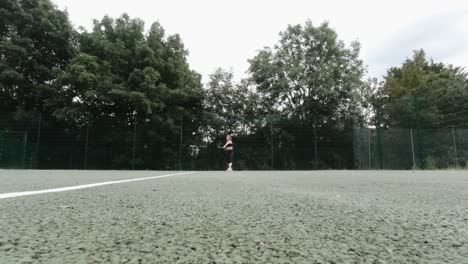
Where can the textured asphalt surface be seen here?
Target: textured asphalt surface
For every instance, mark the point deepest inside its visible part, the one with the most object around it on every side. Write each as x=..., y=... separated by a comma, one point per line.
x=240, y=217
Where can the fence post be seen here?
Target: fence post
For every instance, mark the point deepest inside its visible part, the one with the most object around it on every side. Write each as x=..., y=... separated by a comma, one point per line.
x=85, y=164
x=412, y=149
x=25, y=148
x=455, y=147
x=418, y=131
x=379, y=140
x=272, y=148
x=38, y=139
x=180, y=141
x=369, y=147
x=315, y=144
x=2, y=146
x=134, y=142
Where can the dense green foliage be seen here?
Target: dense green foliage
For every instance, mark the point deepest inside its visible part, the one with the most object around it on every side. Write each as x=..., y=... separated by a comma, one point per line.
x=310, y=80
x=310, y=75
x=121, y=97
x=434, y=94
x=36, y=39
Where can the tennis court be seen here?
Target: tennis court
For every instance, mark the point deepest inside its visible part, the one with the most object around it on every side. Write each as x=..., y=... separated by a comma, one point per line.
x=239, y=217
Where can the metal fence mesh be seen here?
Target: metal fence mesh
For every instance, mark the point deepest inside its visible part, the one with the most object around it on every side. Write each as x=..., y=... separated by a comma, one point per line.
x=40, y=142
x=410, y=148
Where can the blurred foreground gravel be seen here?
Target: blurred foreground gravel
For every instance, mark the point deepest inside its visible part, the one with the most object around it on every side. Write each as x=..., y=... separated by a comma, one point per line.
x=240, y=217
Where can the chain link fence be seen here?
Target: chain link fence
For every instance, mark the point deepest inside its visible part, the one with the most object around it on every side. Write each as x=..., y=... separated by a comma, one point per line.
x=410, y=148
x=39, y=142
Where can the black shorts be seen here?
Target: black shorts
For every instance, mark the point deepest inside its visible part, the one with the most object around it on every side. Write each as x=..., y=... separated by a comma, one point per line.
x=230, y=156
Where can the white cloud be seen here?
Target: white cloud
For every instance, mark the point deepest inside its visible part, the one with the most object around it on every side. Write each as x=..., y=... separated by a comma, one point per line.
x=441, y=36
x=221, y=33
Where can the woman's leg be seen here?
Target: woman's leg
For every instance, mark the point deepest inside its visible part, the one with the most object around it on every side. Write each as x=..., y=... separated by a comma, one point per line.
x=231, y=159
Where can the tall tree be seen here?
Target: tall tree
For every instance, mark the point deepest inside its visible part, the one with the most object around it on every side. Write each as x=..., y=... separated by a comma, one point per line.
x=36, y=39
x=227, y=104
x=310, y=82
x=310, y=74
x=232, y=107
x=366, y=98
x=129, y=78
x=120, y=71
x=424, y=93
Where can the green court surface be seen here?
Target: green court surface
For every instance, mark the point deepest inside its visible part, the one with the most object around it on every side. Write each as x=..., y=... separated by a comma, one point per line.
x=239, y=217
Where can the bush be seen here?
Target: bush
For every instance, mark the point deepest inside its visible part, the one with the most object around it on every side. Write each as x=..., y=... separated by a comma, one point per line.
x=430, y=163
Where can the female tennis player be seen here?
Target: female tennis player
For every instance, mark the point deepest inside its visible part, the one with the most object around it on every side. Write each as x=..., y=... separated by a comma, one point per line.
x=229, y=148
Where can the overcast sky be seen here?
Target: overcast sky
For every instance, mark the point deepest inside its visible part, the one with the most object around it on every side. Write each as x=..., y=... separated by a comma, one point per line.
x=226, y=34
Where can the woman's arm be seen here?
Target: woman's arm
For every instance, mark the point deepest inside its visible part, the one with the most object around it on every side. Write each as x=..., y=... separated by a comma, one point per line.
x=227, y=143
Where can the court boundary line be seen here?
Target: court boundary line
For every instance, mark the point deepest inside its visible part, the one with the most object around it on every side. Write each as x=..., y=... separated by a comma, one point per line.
x=85, y=186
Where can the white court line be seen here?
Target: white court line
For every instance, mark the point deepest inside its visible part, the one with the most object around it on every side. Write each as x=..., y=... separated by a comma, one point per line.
x=77, y=187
